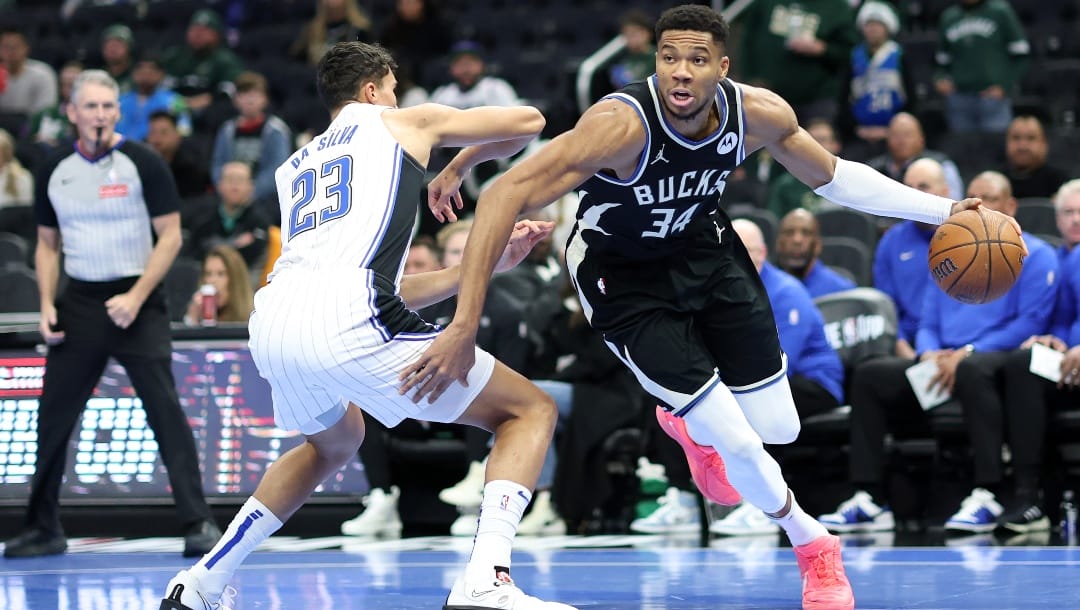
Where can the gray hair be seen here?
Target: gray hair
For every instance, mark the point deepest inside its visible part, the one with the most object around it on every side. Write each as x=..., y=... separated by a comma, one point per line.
x=95, y=77
x=1069, y=189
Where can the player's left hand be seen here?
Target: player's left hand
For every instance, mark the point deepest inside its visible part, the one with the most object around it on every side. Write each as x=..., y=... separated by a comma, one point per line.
x=123, y=308
x=444, y=194
x=1070, y=369
x=973, y=202
x=526, y=234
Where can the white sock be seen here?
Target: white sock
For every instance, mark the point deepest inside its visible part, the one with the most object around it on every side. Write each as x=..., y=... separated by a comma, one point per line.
x=801, y=528
x=249, y=528
x=500, y=513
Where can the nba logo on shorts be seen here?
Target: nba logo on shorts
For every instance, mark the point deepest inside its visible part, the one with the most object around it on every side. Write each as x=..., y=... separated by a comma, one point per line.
x=504, y=502
x=601, y=286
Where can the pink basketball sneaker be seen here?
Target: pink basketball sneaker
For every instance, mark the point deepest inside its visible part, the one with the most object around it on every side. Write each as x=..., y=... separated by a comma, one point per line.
x=706, y=465
x=825, y=585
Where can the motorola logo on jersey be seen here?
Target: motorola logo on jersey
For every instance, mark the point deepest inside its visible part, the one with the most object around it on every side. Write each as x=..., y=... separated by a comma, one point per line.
x=688, y=184
x=727, y=144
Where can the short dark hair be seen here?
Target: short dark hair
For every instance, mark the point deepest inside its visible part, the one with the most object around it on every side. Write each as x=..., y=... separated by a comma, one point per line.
x=636, y=17
x=347, y=66
x=696, y=18
x=163, y=114
x=248, y=81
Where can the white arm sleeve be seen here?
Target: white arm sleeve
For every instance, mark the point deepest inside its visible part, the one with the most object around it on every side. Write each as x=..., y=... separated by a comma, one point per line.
x=858, y=186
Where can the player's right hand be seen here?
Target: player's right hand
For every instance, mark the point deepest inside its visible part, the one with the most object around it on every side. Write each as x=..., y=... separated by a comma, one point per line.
x=974, y=202
x=444, y=194
x=46, y=325
x=449, y=358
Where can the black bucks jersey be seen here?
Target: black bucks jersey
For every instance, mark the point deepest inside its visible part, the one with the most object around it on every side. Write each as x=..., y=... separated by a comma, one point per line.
x=660, y=272
x=676, y=186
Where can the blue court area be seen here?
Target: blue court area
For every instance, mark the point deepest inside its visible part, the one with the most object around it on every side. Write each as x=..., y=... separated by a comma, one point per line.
x=632, y=573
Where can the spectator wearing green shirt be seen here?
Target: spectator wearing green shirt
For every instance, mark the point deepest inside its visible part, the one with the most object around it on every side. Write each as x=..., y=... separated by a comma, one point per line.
x=786, y=193
x=982, y=56
x=800, y=50
x=117, y=57
x=638, y=59
x=50, y=127
x=203, y=68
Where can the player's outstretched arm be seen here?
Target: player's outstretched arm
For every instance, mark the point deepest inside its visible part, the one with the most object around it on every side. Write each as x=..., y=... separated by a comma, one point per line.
x=423, y=289
x=485, y=132
x=771, y=124
x=608, y=135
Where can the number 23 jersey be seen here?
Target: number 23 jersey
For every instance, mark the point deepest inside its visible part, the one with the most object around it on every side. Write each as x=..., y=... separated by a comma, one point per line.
x=676, y=186
x=349, y=198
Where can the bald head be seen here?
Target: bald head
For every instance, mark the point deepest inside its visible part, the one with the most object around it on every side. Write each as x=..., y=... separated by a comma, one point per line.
x=928, y=176
x=995, y=191
x=750, y=235
x=905, y=137
x=798, y=242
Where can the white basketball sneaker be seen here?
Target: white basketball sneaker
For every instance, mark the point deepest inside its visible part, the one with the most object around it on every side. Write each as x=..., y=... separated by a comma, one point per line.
x=380, y=516
x=468, y=492
x=185, y=592
x=678, y=513
x=495, y=590
x=745, y=520
x=542, y=520
x=465, y=525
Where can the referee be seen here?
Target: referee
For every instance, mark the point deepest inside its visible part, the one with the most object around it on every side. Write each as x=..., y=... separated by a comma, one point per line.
x=112, y=206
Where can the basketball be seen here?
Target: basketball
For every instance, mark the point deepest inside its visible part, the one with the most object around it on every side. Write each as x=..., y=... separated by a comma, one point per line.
x=976, y=256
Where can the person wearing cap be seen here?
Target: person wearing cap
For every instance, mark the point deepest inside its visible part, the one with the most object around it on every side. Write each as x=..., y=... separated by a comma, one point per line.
x=470, y=86
x=202, y=67
x=117, y=44
x=878, y=83
x=147, y=96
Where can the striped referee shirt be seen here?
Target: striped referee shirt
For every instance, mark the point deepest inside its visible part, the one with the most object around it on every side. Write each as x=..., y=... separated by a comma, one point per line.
x=103, y=208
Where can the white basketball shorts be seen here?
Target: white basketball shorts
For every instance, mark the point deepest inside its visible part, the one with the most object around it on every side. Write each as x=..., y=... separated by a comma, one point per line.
x=324, y=339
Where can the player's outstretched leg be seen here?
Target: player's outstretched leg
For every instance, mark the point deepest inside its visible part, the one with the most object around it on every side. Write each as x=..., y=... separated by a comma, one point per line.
x=283, y=489
x=523, y=419
x=735, y=427
x=706, y=466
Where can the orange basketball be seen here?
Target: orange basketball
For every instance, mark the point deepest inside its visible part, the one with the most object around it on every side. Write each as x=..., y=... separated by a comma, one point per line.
x=976, y=256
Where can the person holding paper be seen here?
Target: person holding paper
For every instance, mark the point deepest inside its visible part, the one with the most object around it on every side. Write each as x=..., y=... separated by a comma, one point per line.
x=970, y=345
x=1044, y=375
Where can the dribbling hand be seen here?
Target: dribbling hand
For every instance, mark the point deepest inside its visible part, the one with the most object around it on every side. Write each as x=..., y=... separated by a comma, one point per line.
x=973, y=202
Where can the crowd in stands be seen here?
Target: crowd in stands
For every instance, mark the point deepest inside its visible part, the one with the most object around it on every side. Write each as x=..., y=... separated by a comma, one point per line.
x=958, y=98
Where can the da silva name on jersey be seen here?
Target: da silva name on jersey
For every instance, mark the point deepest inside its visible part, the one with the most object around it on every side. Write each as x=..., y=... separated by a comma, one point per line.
x=335, y=137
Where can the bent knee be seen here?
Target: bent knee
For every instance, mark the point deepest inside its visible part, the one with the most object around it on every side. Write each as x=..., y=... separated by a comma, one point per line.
x=781, y=432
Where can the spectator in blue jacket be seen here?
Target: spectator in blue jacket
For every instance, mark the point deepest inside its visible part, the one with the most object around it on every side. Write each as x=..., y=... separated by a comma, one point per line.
x=147, y=96
x=1028, y=399
x=814, y=370
x=798, y=246
x=900, y=259
x=261, y=140
x=971, y=345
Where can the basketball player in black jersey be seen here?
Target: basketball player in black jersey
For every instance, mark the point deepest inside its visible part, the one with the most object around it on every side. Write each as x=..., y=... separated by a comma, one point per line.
x=663, y=276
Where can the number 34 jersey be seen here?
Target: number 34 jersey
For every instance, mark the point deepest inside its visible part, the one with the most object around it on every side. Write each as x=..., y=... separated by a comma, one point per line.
x=349, y=199
x=674, y=189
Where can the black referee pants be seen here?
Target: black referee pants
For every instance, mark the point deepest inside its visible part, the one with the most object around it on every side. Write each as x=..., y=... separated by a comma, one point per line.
x=72, y=370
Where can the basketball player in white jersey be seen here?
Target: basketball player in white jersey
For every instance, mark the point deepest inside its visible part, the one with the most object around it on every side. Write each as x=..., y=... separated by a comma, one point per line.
x=335, y=326
x=661, y=274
